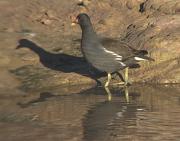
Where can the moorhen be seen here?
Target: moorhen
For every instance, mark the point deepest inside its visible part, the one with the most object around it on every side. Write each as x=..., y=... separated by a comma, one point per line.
x=107, y=59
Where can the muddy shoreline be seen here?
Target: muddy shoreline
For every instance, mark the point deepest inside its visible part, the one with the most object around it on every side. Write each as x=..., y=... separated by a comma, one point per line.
x=51, y=54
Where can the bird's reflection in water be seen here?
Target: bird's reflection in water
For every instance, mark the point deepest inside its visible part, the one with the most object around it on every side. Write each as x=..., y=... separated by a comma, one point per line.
x=108, y=93
x=125, y=91
x=115, y=119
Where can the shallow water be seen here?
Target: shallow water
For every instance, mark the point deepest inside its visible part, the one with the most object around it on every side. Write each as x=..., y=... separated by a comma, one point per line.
x=152, y=114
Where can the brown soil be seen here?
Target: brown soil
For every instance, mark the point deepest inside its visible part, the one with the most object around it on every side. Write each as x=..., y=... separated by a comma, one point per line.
x=55, y=59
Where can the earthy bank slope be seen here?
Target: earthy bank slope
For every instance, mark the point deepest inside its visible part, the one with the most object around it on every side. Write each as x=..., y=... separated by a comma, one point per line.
x=55, y=58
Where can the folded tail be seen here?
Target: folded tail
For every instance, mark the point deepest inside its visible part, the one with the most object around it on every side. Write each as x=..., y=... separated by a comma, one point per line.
x=141, y=55
x=141, y=52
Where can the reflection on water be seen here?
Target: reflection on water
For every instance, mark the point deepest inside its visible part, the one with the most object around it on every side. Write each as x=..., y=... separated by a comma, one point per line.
x=137, y=113
x=110, y=121
x=109, y=94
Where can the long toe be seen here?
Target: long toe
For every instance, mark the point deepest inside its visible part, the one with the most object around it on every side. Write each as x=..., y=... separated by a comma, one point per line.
x=127, y=83
x=120, y=83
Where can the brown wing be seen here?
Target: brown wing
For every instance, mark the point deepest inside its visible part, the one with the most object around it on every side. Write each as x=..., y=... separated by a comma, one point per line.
x=121, y=48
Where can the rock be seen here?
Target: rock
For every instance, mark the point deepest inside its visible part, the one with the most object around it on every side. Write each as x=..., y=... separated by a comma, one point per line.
x=83, y=2
x=46, y=21
x=162, y=6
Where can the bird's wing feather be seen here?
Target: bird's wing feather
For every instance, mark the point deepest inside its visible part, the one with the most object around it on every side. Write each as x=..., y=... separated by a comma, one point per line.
x=124, y=49
x=102, y=58
x=120, y=47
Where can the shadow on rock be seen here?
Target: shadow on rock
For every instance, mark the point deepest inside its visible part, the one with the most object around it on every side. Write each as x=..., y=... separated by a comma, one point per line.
x=61, y=62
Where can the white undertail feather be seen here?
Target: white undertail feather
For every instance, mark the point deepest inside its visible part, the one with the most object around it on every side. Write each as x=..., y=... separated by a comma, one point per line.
x=138, y=59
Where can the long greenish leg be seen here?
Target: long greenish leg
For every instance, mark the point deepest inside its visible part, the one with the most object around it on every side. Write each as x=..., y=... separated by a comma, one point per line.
x=109, y=93
x=108, y=81
x=121, y=77
x=126, y=76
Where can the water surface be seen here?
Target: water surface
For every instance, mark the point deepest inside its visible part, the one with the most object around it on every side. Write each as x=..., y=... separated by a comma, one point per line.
x=152, y=113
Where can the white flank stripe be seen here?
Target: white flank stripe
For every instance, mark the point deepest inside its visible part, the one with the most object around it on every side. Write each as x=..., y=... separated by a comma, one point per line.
x=107, y=51
x=138, y=58
x=122, y=64
x=118, y=59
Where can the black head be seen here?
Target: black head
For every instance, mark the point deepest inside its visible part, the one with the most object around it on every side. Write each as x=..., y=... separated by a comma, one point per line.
x=83, y=19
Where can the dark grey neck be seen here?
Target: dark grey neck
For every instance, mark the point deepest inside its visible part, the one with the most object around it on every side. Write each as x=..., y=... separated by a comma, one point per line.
x=88, y=35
